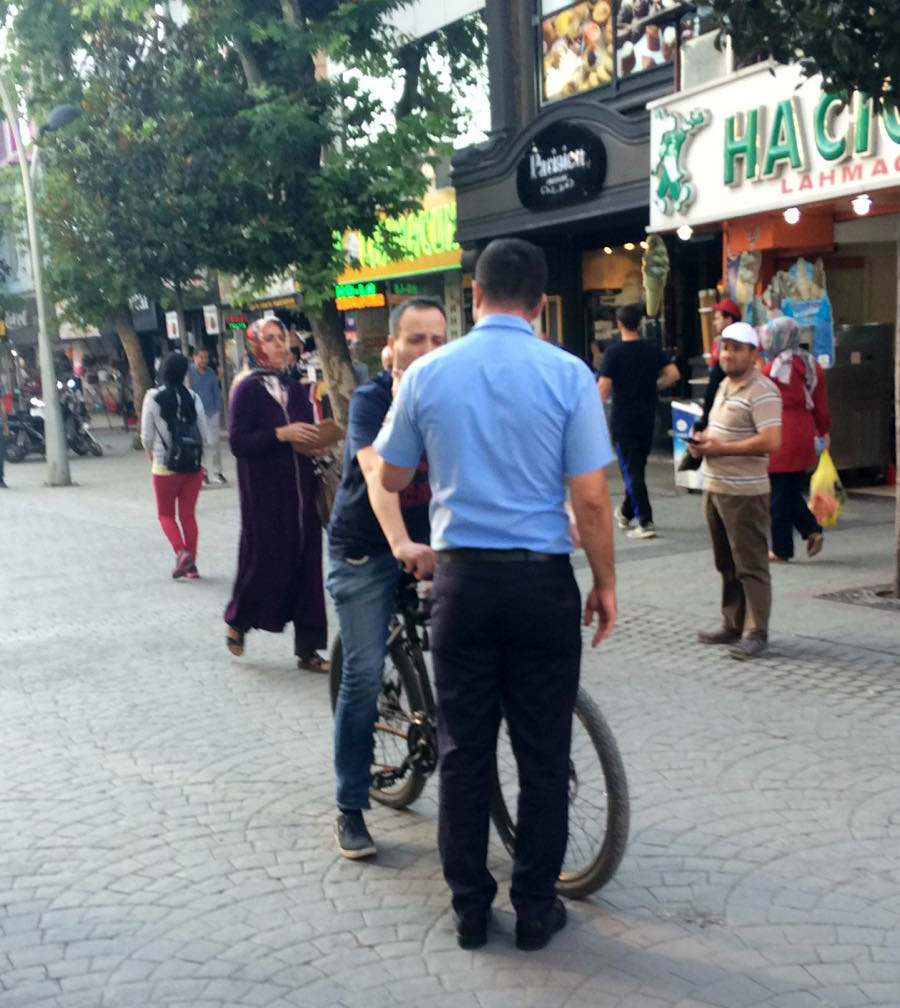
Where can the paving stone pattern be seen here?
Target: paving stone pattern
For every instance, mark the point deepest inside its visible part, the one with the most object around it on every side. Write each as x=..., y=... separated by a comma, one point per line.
x=166, y=810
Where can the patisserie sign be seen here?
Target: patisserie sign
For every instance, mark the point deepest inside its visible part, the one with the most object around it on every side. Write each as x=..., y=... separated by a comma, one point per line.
x=771, y=139
x=561, y=165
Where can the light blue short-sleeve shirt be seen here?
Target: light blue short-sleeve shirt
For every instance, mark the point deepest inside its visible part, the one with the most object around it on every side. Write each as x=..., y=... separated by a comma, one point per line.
x=504, y=419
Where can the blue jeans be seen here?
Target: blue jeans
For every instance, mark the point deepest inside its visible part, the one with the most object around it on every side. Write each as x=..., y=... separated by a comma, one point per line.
x=364, y=595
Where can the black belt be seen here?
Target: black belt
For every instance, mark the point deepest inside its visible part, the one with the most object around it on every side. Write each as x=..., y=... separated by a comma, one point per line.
x=496, y=556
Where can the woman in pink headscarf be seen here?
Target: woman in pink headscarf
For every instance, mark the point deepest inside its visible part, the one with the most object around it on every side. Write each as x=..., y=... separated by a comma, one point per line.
x=804, y=415
x=279, y=576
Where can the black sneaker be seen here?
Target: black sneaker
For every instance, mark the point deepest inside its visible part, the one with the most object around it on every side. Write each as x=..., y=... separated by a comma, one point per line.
x=532, y=935
x=353, y=839
x=471, y=930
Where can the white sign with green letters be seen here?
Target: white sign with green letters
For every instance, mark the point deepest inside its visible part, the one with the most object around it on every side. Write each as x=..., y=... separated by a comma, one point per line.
x=765, y=139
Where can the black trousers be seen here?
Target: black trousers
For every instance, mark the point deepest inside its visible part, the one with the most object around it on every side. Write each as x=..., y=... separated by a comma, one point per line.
x=633, y=450
x=506, y=640
x=2, y=450
x=788, y=511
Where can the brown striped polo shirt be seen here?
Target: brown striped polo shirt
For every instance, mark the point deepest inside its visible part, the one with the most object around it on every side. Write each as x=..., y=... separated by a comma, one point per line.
x=739, y=412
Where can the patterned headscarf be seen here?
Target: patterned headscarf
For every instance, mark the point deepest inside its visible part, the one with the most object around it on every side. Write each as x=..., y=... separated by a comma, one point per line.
x=780, y=340
x=272, y=379
x=255, y=342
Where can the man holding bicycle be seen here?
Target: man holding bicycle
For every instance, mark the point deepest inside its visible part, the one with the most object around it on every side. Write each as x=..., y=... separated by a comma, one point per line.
x=505, y=605
x=374, y=535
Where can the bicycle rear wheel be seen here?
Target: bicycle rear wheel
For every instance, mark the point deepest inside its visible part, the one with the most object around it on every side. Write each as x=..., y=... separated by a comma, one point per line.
x=598, y=802
x=398, y=731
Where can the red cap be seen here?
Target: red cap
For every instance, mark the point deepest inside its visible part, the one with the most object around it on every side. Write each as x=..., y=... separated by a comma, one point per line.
x=728, y=307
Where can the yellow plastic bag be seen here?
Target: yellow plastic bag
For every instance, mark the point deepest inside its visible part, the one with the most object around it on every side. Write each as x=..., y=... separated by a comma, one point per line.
x=826, y=492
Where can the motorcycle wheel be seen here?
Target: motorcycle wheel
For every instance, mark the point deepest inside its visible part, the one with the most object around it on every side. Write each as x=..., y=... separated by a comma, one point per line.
x=94, y=446
x=78, y=446
x=16, y=452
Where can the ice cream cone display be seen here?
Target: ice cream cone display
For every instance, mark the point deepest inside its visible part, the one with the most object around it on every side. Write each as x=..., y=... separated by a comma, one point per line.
x=707, y=299
x=577, y=49
x=653, y=42
x=655, y=270
x=669, y=42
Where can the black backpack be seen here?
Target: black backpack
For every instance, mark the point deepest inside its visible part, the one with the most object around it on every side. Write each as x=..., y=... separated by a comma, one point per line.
x=185, y=453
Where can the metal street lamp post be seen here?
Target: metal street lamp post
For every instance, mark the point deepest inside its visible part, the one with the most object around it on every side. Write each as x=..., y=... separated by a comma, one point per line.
x=55, y=436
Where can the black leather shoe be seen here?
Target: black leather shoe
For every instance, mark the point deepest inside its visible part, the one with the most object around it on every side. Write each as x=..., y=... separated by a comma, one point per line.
x=534, y=934
x=471, y=931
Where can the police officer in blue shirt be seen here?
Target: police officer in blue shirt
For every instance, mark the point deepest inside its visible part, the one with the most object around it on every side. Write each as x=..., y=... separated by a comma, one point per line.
x=506, y=420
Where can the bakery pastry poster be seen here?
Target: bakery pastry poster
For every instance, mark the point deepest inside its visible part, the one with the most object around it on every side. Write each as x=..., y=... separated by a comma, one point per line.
x=581, y=43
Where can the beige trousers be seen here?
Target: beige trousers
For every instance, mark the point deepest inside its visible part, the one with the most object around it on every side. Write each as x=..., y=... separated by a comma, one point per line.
x=739, y=526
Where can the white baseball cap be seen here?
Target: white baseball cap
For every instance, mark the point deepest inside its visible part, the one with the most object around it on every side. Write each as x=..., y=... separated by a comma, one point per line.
x=740, y=332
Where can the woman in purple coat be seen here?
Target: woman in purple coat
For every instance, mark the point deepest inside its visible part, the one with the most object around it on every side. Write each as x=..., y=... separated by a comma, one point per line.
x=279, y=576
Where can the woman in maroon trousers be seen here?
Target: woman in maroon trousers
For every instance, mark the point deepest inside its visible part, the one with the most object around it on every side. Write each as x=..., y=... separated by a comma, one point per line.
x=279, y=576
x=801, y=383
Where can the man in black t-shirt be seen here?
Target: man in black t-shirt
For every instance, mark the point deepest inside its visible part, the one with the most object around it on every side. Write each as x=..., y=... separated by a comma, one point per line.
x=633, y=371
x=373, y=536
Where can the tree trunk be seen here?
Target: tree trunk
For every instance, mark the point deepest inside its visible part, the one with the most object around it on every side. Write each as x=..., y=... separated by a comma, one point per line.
x=897, y=430
x=182, y=328
x=131, y=344
x=328, y=332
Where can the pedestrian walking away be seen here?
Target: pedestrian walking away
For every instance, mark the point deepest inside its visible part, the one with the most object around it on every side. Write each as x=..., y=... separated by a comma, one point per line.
x=505, y=420
x=172, y=414
x=373, y=537
x=273, y=437
x=744, y=428
x=633, y=372
x=801, y=382
x=205, y=382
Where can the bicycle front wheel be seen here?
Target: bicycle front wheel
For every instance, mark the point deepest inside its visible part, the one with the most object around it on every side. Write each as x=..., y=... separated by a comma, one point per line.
x=598, y=802
x=395, y=781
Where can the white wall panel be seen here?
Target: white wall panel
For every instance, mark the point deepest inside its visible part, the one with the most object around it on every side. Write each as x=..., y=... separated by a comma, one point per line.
x=425, y=16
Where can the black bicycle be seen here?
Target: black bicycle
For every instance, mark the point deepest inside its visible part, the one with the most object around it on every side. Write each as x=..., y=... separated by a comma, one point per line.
x=405, y=755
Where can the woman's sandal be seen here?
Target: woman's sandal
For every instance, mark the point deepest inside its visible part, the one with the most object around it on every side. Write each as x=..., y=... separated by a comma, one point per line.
x=234, y=641
x=313, y=663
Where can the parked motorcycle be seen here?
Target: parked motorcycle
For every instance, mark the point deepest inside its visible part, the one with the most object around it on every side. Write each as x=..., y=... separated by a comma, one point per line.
x=76, y=420
x=26, y=437
x=26, y=431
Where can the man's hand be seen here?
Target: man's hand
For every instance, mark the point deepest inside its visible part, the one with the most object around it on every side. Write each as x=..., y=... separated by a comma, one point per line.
x=417, y=558
x=707, y=446
x=601, y=601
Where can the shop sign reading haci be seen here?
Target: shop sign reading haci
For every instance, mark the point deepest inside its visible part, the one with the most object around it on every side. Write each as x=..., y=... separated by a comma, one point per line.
x=765, y=139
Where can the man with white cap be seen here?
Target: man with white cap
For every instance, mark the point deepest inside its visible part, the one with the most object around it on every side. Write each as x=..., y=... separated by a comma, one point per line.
x=744, y=428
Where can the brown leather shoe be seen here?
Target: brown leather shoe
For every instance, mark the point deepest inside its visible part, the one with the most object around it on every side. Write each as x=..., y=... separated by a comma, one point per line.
x=748, y=647
x=721, y=636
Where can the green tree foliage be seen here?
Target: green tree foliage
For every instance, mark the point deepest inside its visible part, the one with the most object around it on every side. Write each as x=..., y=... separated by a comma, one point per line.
x=311, y=116
x=131, y=203
x=854, y=44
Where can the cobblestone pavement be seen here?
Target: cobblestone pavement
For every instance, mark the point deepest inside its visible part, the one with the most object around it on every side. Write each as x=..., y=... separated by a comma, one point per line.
x=166, y=810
